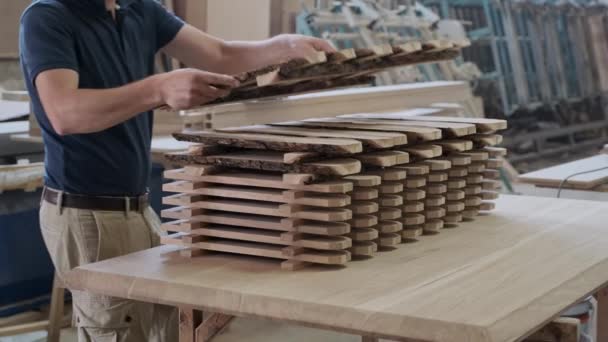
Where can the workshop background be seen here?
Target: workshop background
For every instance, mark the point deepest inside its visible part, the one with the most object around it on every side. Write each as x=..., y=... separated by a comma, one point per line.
x=539, y=64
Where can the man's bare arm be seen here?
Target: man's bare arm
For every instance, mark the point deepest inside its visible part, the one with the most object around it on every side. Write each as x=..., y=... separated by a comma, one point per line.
x=78, y=111
x=199, y=50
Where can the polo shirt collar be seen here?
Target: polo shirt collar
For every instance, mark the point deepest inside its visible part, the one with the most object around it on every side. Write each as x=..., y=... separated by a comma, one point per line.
x=94, y=7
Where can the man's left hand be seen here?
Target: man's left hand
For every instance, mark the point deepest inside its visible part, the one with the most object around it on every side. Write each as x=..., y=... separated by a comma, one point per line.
x=295, y=46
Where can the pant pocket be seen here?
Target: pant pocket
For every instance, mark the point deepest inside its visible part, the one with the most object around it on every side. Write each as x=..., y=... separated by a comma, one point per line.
x=153, y=222
x=121, y=234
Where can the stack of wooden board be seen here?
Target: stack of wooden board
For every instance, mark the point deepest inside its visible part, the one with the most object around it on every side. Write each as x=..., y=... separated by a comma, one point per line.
x=343, y=68
x=321, y=190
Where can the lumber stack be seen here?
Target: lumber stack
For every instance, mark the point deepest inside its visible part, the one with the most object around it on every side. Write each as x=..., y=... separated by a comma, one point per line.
x=321, y=191
x=344, y=68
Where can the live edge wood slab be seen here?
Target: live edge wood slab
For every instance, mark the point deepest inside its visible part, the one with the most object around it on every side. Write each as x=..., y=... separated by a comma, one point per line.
x=500, y=278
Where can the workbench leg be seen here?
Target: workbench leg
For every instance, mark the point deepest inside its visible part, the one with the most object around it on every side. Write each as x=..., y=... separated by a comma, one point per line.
x=189, y=320
x=212, y=324
x=602, y=315
x=56, y=311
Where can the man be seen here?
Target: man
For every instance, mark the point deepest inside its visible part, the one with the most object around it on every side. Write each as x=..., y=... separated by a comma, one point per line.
x=88, y=66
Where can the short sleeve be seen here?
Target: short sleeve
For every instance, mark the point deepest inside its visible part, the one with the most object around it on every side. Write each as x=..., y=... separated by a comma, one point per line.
x=46, y=41
x=167, y=25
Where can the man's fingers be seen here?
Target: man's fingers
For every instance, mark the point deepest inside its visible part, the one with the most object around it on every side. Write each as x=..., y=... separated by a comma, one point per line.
x=211, y=91
x=221, y=81
x=322, y=45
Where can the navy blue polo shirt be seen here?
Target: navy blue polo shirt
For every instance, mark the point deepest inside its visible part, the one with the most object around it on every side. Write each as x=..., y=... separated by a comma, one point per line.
x=82, y=35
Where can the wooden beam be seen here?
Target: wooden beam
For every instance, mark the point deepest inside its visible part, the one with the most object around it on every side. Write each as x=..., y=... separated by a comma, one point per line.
x=211, y=326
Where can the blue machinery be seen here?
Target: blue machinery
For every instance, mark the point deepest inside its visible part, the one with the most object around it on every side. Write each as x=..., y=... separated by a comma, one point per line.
x=533, y=54
x=535, y=51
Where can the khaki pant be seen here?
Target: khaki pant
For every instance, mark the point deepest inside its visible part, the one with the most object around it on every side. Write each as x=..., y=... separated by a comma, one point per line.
x=76, y=237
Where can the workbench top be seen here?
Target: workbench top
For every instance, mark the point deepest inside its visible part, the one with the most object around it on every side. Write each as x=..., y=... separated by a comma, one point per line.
x=498, y=278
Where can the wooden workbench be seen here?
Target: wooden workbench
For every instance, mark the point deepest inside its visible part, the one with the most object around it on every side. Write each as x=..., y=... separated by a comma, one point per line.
x=499, y=278
x=590, y=186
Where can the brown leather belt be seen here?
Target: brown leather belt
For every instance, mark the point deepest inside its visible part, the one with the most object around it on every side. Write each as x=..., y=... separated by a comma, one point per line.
x=96, y=203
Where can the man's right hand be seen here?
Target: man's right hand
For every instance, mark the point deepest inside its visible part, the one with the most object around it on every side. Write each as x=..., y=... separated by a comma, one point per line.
x=189, y=88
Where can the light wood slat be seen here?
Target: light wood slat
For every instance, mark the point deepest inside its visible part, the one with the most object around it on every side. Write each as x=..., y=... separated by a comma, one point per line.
x=413, y=220
x=364, y=180
x=433, y=226
x=387, y=227
x=268, y=237
x=262, y=181
x=410, y=234
x=271, y=209
x=496, y=152
x=389, y=240
x=390, y=200
x=264, y=250
x=388, y=174
x=485, y=140
x=424, y=151
x=364, y=194
x=455, y=195
x=363, y=234
x=383, y=158
x=389, y=214
x=260, y=194
x=456, y=145
x=363, y=221
x=413, y=207
x=478, y=155
x=436, y=189
x=415, y=182
x=390, y=188
x=415, y=169
x=458, y=172
x=363, y=207
x=185, y=223
x=414, y=194
x=364, y=248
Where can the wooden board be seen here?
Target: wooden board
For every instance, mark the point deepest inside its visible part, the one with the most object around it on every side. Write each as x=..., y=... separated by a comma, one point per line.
x=449, y=129
x=266, y=180
x=270, y=161
x=554, y=176
x=483, y=125
x=413, y=133
x=329, y=103
x=273, y=142
x=423, y=304
x=369, y=139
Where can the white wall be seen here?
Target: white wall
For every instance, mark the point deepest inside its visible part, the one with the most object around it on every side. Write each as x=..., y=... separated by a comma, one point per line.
x=239, y=19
